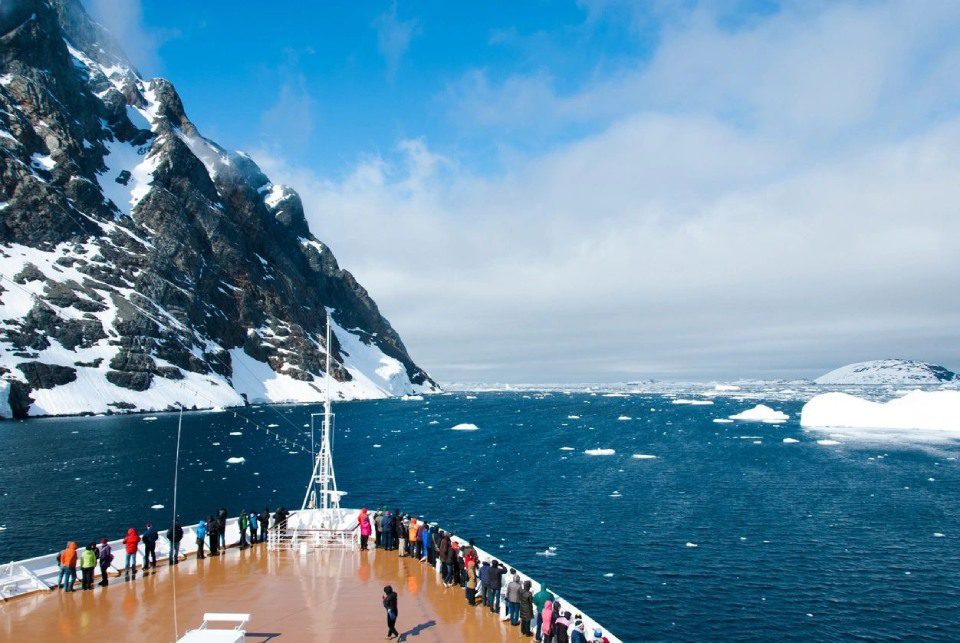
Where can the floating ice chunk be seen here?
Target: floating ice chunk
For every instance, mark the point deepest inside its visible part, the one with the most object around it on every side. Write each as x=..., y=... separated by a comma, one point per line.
x=600, y=451
x=573, y=417
x=236, y=433
x=624, y=418
x=411, y=398
x=726, y=387
x=608, y=575
x=471, y=397
x=150, y=418
x=464, y=427
x=722, y=421
x=215, y=444
x=692, y=545
x=615, y=395
x=643, y=456
x=936, y=412
x=937, y=534
x=156, y=506
x=827, y=443
x=235, y=460
x=693, y=402
x=272, y=426
x=548, y=552
x=433, y=422
x=376, y=446
x=790, y=440
x=567, y=449
x=616, y=494
x=761, y=413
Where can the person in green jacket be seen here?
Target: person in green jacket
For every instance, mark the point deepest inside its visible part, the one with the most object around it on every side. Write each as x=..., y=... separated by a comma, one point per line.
x=539, y=600
x=243, y=522
x=88, y=562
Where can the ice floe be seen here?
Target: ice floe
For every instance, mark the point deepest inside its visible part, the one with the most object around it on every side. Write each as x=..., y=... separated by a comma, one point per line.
x=918, y=413
x=236, y=460
x=643, y=456
x=466, y=426
x=691, y=545
x=790, y=440
x=150, y=418
x=693, y=402
x=573, y=417
x=761, y=413
x=156, y=506
x=722, y=421
x=624, y=418
x=567, y=449
x=828, y=443
x=600, y=451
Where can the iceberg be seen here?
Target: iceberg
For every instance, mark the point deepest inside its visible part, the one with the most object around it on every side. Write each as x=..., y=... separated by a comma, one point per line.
x=464, y=427
x=240, y=460
x=936, y=412
x=643, y=456
x=600, y=451
x=761, y=413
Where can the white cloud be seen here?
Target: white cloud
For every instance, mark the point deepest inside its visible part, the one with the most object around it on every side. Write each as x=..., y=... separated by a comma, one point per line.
x=394, y=37
x=768, y=201
x=124, y=20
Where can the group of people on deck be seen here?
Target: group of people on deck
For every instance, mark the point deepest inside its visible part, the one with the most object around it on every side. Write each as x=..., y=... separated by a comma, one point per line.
x=487, y=583
x=253, y=529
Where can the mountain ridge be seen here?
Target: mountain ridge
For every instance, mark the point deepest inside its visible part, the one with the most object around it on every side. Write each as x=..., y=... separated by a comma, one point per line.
x=143, y=265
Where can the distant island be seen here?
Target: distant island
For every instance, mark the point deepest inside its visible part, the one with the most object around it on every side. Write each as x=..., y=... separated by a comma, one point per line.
x=889, y=371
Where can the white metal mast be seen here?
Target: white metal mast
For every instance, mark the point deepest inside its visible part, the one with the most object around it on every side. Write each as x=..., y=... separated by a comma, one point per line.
x=323, y=480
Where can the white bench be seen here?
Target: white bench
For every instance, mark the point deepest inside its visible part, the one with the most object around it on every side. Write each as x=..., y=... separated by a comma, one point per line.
x=206, y=634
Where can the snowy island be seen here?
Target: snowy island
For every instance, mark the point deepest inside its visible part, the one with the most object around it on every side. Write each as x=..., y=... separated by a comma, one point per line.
x=882, y=372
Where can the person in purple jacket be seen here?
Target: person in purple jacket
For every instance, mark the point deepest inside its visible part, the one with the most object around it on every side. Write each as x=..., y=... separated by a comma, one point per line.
x=105, y=557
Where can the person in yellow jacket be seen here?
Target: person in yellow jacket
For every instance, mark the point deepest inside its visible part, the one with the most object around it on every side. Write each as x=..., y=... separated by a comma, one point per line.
x=88, y=562
x=412, y=538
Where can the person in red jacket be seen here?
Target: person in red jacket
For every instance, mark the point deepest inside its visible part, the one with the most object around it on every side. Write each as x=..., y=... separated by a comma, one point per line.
x=131, y=542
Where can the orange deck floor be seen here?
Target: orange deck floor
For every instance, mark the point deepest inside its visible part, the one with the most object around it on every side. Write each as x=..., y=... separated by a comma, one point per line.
x=316, y=596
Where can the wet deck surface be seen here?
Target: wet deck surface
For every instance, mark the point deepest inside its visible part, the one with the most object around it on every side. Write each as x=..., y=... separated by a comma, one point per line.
x=318, y=596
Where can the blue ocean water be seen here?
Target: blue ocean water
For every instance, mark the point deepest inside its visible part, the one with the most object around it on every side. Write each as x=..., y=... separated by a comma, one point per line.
x=793, y=541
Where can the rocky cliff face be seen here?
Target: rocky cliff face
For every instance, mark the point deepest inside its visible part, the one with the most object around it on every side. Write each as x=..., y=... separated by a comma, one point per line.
x=142, y=265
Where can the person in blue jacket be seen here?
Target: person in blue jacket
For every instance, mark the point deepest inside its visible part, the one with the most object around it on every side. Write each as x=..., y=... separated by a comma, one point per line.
x=201, y=536
x=389, y=532
x=425, y=539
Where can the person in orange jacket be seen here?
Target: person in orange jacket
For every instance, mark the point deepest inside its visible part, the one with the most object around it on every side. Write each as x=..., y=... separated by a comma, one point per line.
x=68, y=567
x=131, y=542
x=412, y=541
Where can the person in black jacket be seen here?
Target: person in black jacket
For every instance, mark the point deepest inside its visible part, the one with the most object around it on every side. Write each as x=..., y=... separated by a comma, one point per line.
x=175, y=535
x=390, y=604
x=213, y=536
x=149, y=540
x=496, y=582
x=222, y=529
x=280, y=520
x=264, y=523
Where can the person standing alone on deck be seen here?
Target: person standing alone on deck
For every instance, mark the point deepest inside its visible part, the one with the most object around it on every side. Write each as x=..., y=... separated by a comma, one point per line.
x=390, y=604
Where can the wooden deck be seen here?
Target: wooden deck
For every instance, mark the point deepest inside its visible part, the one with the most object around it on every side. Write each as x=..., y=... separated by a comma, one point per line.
x=317, y=596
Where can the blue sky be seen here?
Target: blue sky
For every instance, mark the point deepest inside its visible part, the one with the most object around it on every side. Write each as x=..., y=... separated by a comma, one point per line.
x=604, y=189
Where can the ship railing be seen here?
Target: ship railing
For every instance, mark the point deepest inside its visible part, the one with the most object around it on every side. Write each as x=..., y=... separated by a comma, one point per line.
x=302, y=539
x=15, y=579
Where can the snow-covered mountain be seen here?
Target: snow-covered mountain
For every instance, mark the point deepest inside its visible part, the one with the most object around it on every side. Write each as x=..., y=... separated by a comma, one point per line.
x=141, y=264
x=888, y=371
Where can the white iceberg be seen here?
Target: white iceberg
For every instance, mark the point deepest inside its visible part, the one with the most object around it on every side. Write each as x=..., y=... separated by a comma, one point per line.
x=566, y=448
x=761, y=413
x=643, y=456
x=828, y=443
x=726, y=387
x=600, y=451
x=624, y=418
x=790, y=440
x=722, y=421
x=464, y=427
x=934, y=413
x=240, y=460
x=693, y=402
x=156, y=506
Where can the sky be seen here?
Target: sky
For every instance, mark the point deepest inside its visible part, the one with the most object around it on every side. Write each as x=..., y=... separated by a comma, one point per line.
x=603, y=190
